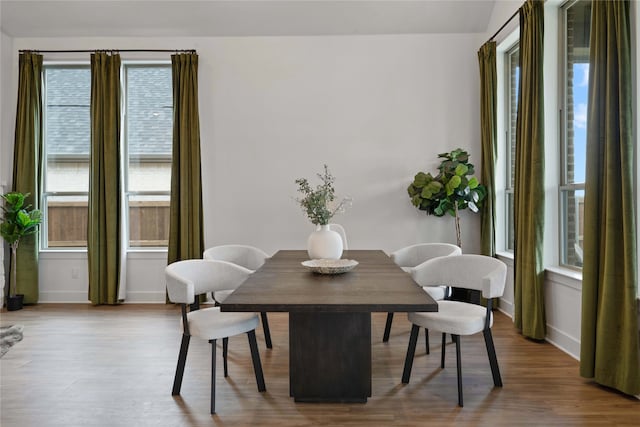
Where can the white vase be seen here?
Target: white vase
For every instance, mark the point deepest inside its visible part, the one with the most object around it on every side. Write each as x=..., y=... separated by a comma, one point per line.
x=324, y=244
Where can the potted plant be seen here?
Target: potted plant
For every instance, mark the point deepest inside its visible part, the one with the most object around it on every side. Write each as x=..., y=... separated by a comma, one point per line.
x=18, y=221
x=453, y=189
x=320, y=206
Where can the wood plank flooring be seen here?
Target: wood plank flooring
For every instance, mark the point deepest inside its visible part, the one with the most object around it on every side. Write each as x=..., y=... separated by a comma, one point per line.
x=113, y=366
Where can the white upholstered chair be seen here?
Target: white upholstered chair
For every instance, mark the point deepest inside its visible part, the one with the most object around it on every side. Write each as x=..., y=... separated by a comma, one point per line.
x=186, y=280
x=343, y=234
x=476, y=272
x=248, y=257
x=409, y=258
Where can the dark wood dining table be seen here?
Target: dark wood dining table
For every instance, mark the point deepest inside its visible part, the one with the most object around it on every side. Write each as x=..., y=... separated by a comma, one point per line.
x=329, y=317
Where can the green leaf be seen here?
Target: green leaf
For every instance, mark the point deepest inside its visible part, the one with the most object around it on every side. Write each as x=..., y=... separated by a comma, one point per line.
x=435, y=186
x=15, y=200
x=473, y=182
x=453, y=183
x=461, y=169
x=473, y=207
x=420, y=180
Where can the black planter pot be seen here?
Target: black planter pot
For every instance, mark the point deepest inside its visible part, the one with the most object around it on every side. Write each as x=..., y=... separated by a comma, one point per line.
x=15, y=302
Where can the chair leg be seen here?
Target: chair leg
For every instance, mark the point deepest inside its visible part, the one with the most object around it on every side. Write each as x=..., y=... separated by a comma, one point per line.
x=426, y=340
x=444, y=346
x=456, y=339
x=213, y=376
x=411, y=351
x=265, y=328
x=387, y=327
x=493, y=359
x=225, y=350
x=182, y=359
x=255, y=356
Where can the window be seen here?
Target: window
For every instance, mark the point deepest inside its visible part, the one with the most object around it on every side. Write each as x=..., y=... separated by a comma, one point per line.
x=147, y=140
x=575, y=84
x=512, y=79
x=149, y=130
x=66, y=155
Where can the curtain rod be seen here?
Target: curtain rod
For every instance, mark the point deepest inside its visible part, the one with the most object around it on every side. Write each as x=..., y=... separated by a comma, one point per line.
x=503, y=25
x=109, y=50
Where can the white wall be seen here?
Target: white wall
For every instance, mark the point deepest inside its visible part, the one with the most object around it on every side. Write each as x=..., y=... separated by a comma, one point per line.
x=376, y=109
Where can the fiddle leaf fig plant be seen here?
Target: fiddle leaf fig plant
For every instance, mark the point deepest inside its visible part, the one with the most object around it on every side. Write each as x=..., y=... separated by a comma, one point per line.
x=453, y=189
x=18, y=221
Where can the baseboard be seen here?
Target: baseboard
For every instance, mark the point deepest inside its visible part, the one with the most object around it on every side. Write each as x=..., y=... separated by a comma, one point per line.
x=64, y=297
x=141, y=297
x=563, y=341
x=555, y=337
x=505, y=307
x=146, y=297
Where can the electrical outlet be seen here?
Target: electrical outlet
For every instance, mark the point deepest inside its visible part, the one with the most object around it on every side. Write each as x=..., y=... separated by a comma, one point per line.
x=74, y=273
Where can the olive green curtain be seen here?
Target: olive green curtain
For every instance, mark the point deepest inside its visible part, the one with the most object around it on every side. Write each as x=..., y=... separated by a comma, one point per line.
x=488, y=95
x=609, y=344
x=26, y=165
x=186, y=234
x=104, y=236
x=529, y=313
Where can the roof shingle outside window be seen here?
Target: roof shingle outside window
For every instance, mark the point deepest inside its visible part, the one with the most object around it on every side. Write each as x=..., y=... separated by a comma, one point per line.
x=149, y=111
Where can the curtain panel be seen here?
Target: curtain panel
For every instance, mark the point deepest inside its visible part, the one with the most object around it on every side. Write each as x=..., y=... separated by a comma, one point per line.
x=186, y=234
x=529, y=312
x=609, y=344
x=26, y=165
x=104, y=225
x=488, y=125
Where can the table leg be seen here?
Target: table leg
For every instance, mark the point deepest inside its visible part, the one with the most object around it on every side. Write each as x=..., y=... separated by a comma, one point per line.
x=330, y=357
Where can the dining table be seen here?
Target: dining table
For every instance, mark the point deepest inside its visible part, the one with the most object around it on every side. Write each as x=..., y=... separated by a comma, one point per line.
x=329, y=317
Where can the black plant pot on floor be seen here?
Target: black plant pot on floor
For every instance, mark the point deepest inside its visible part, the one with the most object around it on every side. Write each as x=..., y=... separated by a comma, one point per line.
x=15, y=302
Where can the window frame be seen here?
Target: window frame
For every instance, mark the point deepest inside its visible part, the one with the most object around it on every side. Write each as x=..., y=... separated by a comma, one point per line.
x=565, y=187
x=45, y=195
x=509, y=112
x=127, y=194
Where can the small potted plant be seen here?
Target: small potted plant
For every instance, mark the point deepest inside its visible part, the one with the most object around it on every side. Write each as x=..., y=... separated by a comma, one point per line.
x=320, y=206
x=453, y=189
x=18, y=221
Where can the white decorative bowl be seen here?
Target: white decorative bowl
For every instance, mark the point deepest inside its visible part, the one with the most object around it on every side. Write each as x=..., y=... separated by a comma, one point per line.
x=330, y=266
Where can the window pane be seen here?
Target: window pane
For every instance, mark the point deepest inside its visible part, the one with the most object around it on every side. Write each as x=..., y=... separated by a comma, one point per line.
x=573, y=226
x=149, y=127
x=148, y=221
x=67, y=128
x=149, y=142
x=577, y=86
x=67, y=93
x=66, y=218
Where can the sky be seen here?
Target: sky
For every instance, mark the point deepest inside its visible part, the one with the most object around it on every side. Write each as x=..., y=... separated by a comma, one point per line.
x=580, y=94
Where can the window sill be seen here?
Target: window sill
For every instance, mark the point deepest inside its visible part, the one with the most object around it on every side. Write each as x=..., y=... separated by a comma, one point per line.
x=564, y=276
x=505, y=254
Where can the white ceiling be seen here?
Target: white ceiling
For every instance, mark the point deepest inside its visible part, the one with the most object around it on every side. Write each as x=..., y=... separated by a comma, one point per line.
x=87, y=18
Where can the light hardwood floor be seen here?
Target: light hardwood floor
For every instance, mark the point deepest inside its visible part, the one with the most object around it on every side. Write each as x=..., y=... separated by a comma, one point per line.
x=113, y=366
